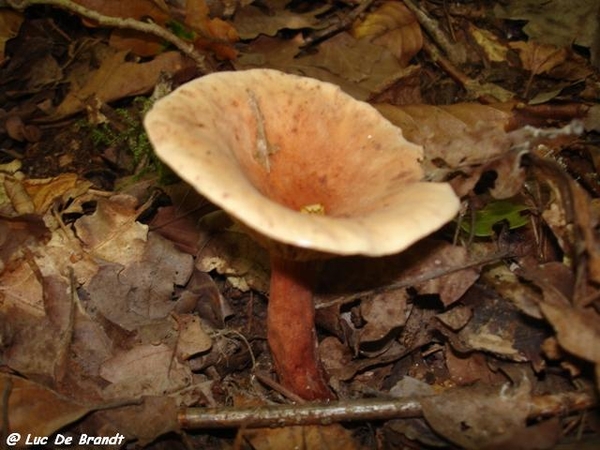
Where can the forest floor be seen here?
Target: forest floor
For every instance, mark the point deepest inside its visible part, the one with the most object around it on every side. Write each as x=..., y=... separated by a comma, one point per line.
x=133, y=311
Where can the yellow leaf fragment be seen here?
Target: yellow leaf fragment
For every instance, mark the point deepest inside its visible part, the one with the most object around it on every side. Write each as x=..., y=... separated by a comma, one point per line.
x=490, y=44
x=315, y=208
x=45, y=192
x=10, y=22
x=36, y=196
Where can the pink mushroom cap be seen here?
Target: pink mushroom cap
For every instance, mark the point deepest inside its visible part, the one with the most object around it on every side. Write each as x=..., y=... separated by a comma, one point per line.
x=264, y=146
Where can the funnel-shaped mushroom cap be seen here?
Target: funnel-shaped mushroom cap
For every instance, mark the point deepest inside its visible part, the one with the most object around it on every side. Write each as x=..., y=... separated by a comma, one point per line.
x=264, y=145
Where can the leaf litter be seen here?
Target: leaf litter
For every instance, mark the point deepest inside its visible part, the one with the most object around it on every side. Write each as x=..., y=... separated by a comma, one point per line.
x=125, y=300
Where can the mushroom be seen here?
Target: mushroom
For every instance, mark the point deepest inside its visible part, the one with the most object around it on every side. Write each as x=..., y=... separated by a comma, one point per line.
x=310, y=172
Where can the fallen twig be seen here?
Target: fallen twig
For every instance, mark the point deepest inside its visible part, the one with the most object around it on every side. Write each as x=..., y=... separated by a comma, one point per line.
x=326, y=301
x=270, y=382
x=454, y=51
x=355, y=410
x=118, y=22
x=486, y=92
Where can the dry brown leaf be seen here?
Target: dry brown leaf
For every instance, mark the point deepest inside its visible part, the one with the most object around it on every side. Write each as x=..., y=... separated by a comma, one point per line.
x=34, y=345
x=454, y=135
x=465, y=370
x=161, y=268
x=136, y=42
x=416, y=430
x=557, y=23
x=433, y=256
x=587, y=221
x=307, y=437
x=36, y=410
x=497, y=327
x=38, y=345
x=359, y=67
x=115, y=79
x=214, y=33
x=571, y=218
x=90, y=347
x=394, y=27
x=201, y=294
x=510, y=175
x=64, y=253
x=455, y=318
x=524, y=296
x=19, y=131
x=140, y=292
x=153, y=417
x=540, y=435
x=356, y=60
x=478, y=416
x=231, y=252
x=383, y=313
x=17, y=233
x=178, y=227
x=27, y=78
x=539, y=58
x=577, y=329
x=111, y=232
x=31, y=254
x=424, y=267
x=251, y=21
x=144, y=370
x=336, y=358
x=21, y=290
x=192, y=337
x=468, y=137
x=20, y=201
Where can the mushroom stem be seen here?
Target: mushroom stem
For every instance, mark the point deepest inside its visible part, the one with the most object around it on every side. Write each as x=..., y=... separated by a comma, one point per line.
x=291, y=329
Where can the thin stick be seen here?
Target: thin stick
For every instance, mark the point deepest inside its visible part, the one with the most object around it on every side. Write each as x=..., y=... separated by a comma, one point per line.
x=455, y=51
x=306, y=414
x=326, y=301
x=270, y=382
x=354, y=410
x=118, y=22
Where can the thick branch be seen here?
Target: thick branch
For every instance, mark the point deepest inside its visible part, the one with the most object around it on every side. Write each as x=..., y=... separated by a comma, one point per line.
x=118, y=22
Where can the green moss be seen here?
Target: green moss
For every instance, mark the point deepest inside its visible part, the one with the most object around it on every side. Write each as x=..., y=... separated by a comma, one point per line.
x=126, y=133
